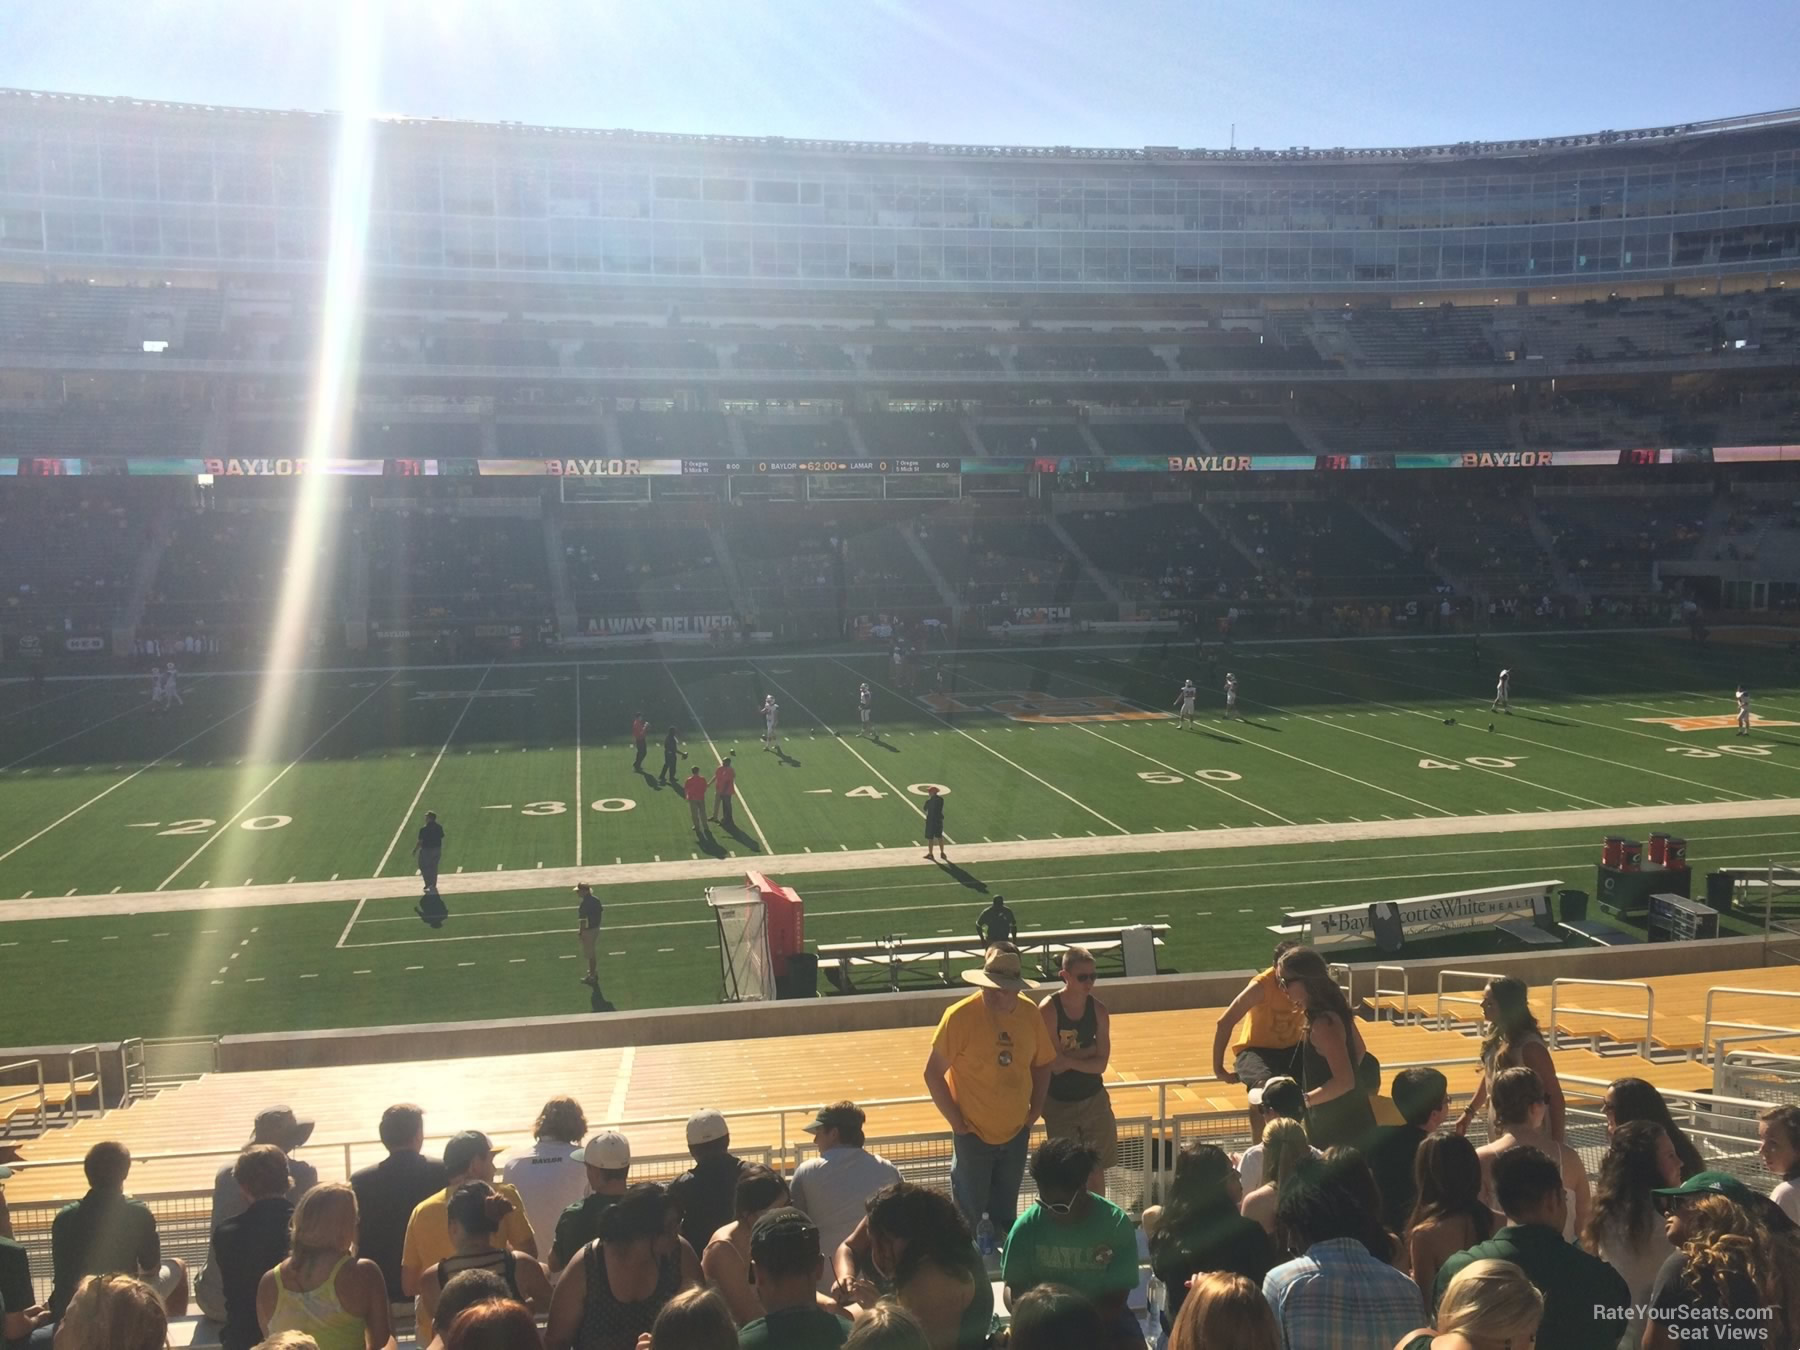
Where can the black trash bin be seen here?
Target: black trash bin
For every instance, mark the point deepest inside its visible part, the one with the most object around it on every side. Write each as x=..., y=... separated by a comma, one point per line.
x=802, y=978
x=1718, y=891
x=1571, y=906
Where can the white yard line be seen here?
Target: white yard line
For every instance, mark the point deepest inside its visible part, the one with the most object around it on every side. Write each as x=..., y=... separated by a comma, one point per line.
x=1259, y=745
x=1152, y=759
x=829, y=731
x=1558, y=711
x=717, y=757
x=990, y=749
x=1197, y=841
x=123, y=781
x=268, y=786
x=92, y=726
x=436, y=760
x=354, y=916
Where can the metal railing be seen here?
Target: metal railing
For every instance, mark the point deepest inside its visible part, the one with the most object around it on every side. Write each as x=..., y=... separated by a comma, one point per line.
x=1403, y=1013
x=33, y=1092
x=169, y=1060
x=1647, y=1017
x=85, y=1084
x=1443, y=996
x=1710, y=1022
x=1756, y=1073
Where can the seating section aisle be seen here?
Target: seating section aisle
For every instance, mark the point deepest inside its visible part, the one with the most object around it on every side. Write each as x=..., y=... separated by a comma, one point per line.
x=1326, y=549
x=1611, y=541
x=905, y=435
x=627, y=567
x=1156, y=439
x=675, y=435
x=68, y=549
x=1167, y=553
x=1061, y=439
x=438, y=565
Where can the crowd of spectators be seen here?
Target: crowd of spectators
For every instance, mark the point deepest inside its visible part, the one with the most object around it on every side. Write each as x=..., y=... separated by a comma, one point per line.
x=1343, y=1228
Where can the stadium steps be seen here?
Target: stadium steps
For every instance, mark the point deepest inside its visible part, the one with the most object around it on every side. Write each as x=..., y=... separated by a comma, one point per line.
x=945, y=594
x=562, y=598
x=1258, y=566
x=1087, y=438
x=1091, y=573
x=1400, y=537
x=143, y=575
x=1540, y=531
x=734, y=580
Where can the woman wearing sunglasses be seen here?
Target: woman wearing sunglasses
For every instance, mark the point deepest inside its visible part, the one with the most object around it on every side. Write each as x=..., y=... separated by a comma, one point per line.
x=1080, y=1028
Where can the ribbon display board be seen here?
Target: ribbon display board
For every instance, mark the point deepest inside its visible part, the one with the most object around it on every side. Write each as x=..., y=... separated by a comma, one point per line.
x=295, y=467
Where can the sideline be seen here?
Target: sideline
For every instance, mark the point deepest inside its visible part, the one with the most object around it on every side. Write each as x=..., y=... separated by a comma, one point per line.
x=1028, y=642
x=802, y=864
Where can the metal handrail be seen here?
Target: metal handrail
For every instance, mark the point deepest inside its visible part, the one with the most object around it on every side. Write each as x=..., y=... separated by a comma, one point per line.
x=1723, y=1051
x=1707, y=1026
x=82, y=1085
x=1647, y=1017
x=37, y=1067
x=133, y=1080
x=1442, y=998
x=1378, y=993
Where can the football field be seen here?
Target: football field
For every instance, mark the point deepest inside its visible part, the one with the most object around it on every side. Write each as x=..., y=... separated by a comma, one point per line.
x=159, y=876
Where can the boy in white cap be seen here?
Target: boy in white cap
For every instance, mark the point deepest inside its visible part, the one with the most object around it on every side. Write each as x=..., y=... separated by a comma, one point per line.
x=707, y=1191
x=608, y=1160
x=988, y=1075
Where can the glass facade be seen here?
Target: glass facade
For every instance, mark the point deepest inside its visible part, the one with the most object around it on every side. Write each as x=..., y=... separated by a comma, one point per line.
x=194, y=190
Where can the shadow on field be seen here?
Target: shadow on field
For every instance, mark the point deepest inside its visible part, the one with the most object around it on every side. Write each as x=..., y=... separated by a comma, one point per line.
x=736, y=833
x=891, y=749
x=1546, y=721
x=968, y=879
x=1220, y=737
x=711, y=846
x=1260, y=726
x=785, y=759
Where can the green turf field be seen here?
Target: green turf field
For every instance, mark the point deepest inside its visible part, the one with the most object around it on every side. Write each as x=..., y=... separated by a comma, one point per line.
x=530, y=768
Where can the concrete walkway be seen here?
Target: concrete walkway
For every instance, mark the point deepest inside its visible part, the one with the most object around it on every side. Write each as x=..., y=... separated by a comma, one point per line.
x=785, y=866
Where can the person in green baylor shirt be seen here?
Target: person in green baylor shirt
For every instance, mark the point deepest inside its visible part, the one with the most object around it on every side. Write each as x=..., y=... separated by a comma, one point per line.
x=785, y=1262
x=1075, y=1238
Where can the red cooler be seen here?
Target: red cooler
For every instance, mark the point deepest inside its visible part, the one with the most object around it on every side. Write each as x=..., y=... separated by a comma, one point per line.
x=786, y=914
x=1675, y=852
x=1612, y=849
x=1659, y=848
x=1631, y=855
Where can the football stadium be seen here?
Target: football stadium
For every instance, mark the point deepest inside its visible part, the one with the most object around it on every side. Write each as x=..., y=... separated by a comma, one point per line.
x=884, y=578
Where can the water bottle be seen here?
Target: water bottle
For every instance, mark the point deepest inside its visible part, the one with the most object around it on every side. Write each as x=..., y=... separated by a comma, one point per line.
x=1156, y=1302
x=987, y=1243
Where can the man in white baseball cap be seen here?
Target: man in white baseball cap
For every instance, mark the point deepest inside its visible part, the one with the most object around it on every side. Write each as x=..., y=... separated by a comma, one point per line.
x=706, y=1191
x=608, y=1160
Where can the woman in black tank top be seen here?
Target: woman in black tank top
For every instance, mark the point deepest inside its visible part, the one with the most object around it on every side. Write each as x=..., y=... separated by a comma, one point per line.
x=1338, y=1109
x=474, y=1214
x=612, y=1291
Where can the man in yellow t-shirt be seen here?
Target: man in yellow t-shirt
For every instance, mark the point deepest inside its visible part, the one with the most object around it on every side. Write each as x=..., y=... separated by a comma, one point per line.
x=988, y=1074
x=467, y=1157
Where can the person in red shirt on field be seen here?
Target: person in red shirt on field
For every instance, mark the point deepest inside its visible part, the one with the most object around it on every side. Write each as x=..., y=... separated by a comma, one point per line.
x=724, y=786
x=640, y=740
x=695, y=791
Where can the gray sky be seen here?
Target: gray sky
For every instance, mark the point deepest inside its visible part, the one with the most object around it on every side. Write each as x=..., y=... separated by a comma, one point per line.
x=1051, y=72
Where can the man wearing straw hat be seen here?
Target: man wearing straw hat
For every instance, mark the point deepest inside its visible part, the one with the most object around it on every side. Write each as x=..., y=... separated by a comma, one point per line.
x=988, y=1074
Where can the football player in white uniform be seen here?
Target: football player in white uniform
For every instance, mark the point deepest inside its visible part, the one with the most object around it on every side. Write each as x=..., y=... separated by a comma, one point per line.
x=1230, y=695
x=865, y=709
x=1503, y=694
x=170, y=693
x=1184, y=700
x=1743, y=705
x=771, y=711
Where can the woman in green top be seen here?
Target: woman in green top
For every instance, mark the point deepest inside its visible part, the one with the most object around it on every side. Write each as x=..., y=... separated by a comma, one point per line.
x=1488, y=1305
x=923, y=1256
